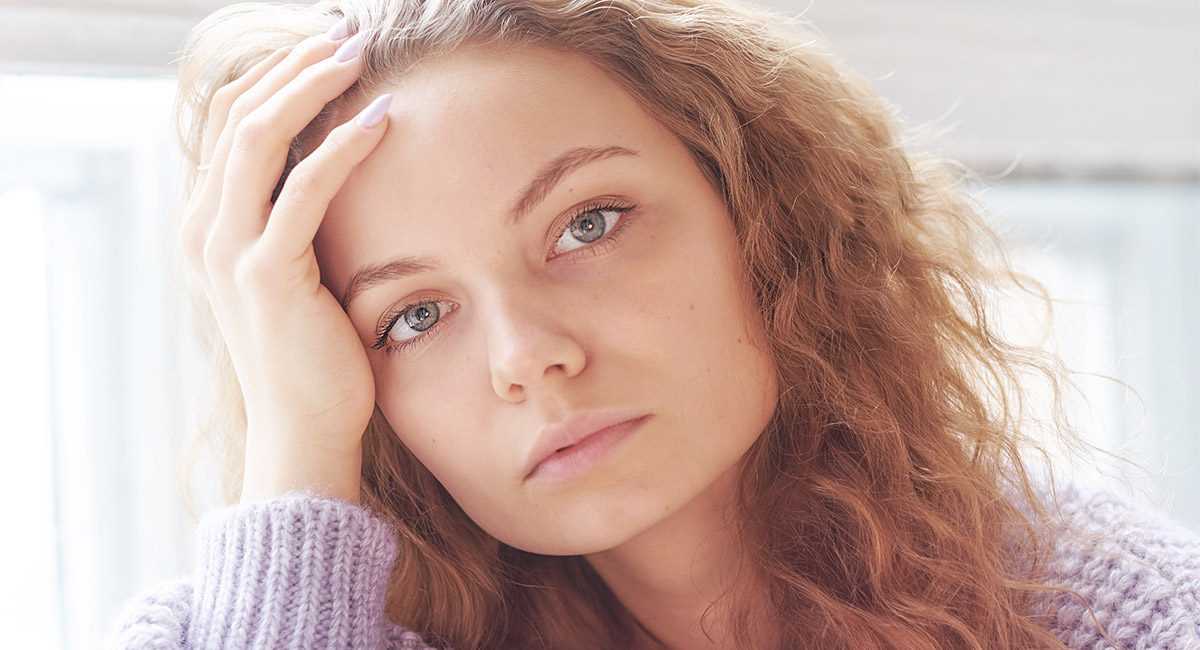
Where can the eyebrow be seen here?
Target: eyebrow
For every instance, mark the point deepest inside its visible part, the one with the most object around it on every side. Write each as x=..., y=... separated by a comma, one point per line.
x=538, y=189
x=554, y=171
x=375, y=274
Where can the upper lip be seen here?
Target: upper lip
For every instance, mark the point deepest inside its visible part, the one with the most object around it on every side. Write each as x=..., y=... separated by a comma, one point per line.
x=571, y=430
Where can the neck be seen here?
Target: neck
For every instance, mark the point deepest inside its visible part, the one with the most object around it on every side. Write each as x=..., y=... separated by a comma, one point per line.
x=681, y=579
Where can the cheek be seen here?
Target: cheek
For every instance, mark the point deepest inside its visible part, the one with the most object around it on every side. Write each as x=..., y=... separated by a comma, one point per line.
x=727, y=379
x=703, y=310
x=429, y=409
x=442, y=416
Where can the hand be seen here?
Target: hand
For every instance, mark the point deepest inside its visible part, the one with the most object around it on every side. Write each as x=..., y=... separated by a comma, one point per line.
x=303, y=371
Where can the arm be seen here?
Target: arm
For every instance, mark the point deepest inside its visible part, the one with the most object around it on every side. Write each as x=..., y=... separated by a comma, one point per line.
x=296, y=572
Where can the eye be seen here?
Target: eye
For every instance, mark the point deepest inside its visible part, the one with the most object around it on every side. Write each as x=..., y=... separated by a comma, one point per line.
x=405, y=325
x=415, y=319
x=589, y=226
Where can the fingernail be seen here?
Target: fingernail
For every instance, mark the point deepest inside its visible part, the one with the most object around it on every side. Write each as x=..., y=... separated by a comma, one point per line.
x=374, y=112
x=349, y=49
x=340, y=30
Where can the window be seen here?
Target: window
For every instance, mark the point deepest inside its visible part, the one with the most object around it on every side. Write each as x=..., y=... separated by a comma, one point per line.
x=90, y=351
x=1121, y=258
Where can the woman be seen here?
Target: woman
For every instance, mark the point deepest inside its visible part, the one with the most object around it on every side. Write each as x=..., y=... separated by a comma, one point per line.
x=657, y=336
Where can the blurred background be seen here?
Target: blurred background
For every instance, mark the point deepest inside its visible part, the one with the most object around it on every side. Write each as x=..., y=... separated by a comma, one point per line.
x=1082, y=118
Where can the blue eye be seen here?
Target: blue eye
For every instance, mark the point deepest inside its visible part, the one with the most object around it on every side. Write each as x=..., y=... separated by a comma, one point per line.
x=415, y=319
x=405, y=326
x=587, y=227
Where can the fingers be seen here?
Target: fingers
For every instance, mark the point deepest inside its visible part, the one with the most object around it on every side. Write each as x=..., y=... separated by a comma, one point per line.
x=262, y=138
x=268, y=76
x=252, y=124
x=222, y=101
x=263, y=122
x=316, y=180
x=227, y=108
x=203, y=198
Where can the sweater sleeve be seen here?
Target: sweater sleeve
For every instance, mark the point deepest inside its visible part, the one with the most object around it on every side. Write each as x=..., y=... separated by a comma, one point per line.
x=1139, y=573
x=294, y=572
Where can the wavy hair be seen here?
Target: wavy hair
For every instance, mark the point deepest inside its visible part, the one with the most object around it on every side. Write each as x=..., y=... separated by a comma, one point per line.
x=890, y=502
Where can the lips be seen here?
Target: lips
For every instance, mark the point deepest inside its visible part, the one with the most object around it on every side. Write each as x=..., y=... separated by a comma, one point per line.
x=574, y=446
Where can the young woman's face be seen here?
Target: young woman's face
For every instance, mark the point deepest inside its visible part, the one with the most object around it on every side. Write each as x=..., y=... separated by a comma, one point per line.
x=551, y=261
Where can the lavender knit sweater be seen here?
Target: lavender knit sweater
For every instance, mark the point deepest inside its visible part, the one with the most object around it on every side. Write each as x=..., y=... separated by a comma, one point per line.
x=301, y=572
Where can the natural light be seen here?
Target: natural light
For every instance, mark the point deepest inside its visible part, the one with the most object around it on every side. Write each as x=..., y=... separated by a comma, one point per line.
x=93, y=378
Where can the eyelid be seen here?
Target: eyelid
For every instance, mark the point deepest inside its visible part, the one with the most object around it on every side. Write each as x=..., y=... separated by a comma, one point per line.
x=561, y=224
x=392, y=316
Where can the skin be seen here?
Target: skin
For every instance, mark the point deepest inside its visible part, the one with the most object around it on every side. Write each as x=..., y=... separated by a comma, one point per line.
x=657, y=318
x=653, y=317
x=309, y=394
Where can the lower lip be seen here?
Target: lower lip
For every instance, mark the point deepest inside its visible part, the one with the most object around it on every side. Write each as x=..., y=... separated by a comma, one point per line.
x=585, y=455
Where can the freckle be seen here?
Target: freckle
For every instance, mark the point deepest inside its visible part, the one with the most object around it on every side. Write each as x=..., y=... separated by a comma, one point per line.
x=692, y=307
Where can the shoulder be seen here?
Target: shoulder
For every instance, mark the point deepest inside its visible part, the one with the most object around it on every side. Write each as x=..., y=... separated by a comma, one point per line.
x=1138, y=571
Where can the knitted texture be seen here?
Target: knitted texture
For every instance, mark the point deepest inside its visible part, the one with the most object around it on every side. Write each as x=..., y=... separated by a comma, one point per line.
x=155, y=619
x=296, y=572
x=1139, y=572
x=300, y=572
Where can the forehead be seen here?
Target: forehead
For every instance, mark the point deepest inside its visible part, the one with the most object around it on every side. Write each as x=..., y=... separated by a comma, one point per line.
x=466, y=131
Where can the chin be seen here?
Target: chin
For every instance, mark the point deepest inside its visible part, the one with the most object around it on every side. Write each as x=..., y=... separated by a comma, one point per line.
x=586, y=530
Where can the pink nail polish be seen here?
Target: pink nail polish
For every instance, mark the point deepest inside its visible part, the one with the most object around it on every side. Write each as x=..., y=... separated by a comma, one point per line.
x=340, y=30
x=375, y=111
x=349, y=49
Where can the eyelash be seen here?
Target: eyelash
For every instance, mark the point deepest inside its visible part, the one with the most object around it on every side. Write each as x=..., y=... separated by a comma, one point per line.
x=381, y=342
x=607, y=239
x=593, y=249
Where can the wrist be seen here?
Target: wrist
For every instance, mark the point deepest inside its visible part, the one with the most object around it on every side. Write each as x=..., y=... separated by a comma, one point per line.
x=270, y=473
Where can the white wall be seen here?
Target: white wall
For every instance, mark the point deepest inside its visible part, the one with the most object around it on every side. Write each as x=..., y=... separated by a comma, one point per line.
x=1078, y=88
x=1093, y=89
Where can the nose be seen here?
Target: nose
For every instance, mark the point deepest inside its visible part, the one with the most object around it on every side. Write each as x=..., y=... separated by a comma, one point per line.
x=528, y=346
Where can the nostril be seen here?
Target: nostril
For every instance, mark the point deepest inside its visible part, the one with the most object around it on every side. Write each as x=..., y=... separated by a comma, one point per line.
x=514, y=393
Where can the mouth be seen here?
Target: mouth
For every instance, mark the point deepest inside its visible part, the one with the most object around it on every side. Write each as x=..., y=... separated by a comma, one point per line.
x=579, y=444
